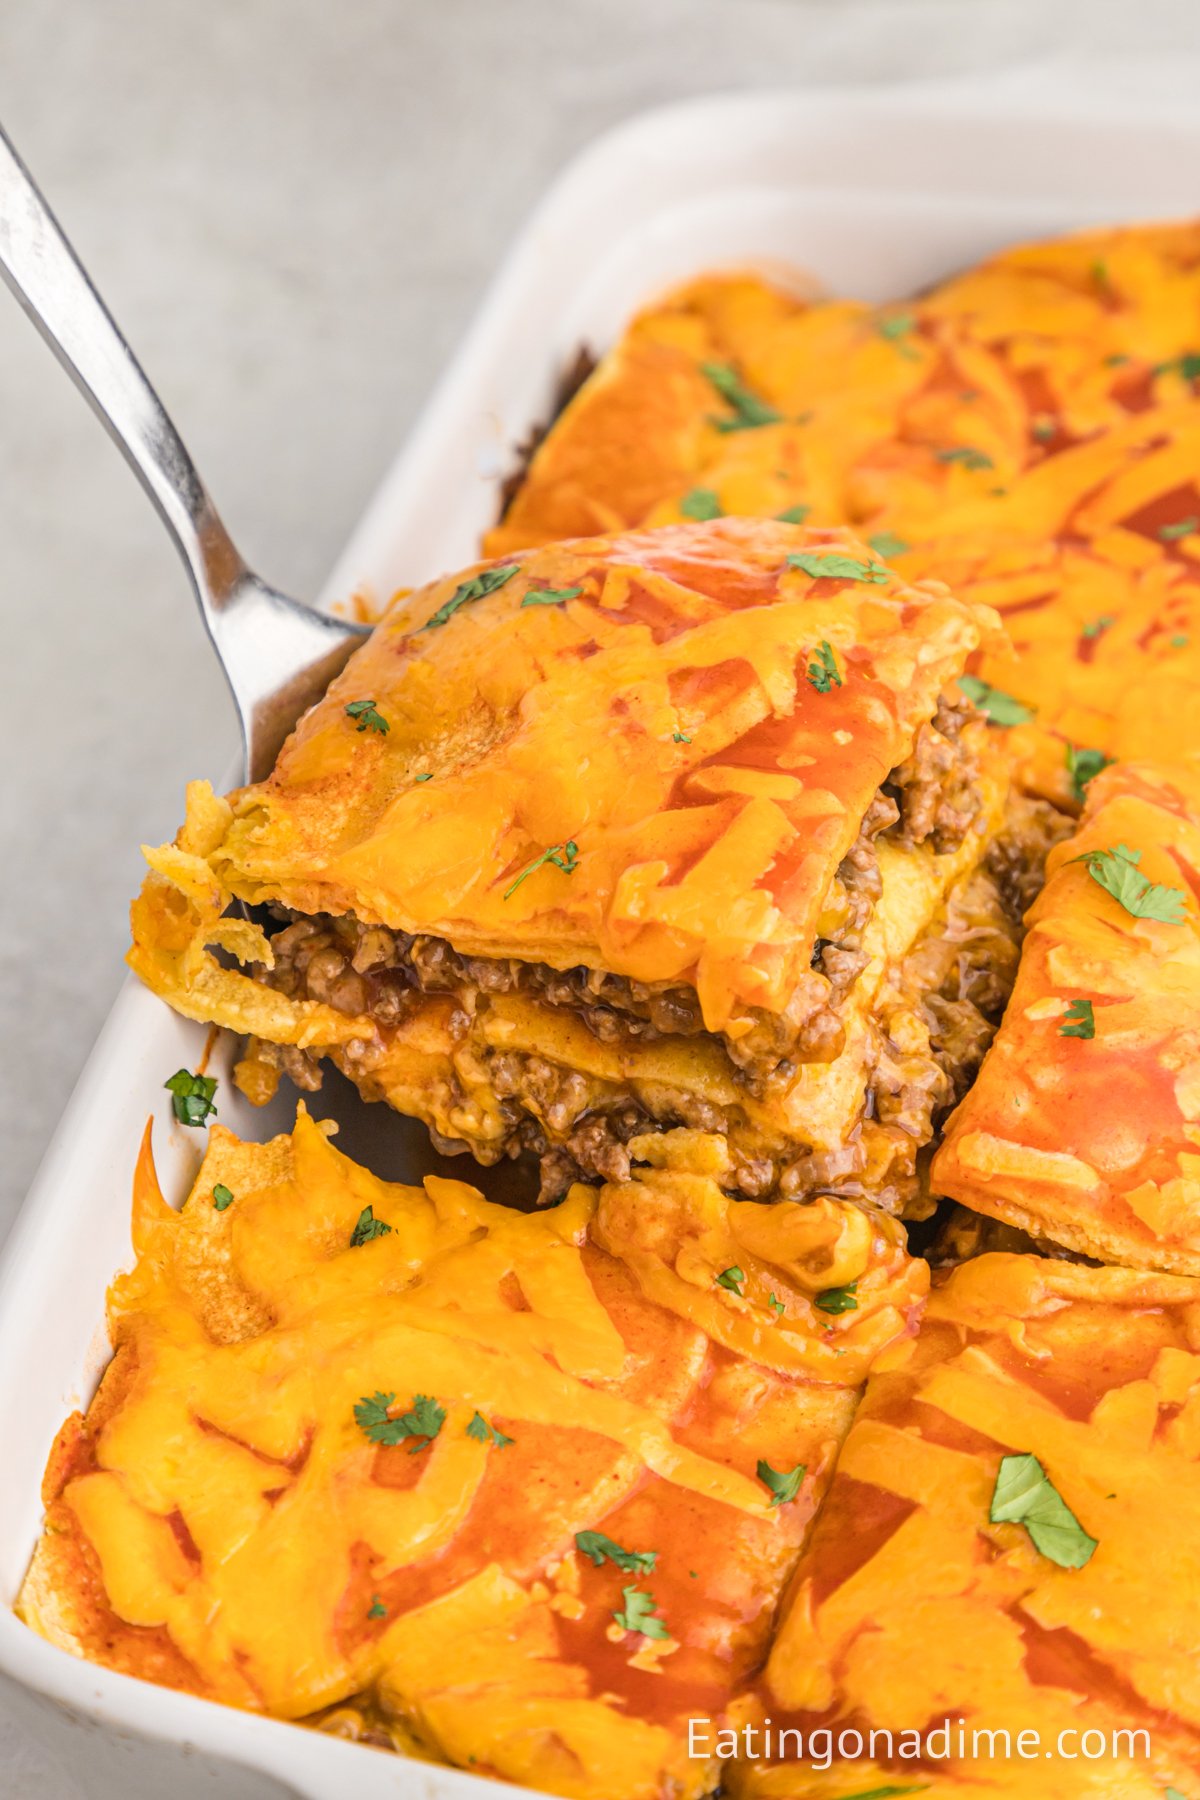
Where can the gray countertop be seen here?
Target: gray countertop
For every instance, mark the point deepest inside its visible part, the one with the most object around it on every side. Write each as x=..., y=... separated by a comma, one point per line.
x=292, y=210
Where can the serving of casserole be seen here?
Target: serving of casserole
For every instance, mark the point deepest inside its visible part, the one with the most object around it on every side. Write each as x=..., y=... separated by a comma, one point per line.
x=791, y=743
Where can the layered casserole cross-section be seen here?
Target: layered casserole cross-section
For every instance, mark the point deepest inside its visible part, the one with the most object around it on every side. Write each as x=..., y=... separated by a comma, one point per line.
x=687, y=831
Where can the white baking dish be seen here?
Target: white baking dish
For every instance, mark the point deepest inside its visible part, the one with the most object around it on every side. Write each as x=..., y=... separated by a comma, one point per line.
x=875, y=193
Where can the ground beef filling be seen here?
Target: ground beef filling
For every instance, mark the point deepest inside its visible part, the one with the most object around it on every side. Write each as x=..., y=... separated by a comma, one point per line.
x=367, y=969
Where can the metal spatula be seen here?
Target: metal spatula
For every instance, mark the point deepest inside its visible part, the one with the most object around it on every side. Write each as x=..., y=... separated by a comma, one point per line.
x=278, y=656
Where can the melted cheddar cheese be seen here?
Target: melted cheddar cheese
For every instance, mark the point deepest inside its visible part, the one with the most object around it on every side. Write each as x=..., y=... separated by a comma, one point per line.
x=660, y=718
x=911, y=1609
x=221, y=1520
x=1094, y=1141
x=1028, y=429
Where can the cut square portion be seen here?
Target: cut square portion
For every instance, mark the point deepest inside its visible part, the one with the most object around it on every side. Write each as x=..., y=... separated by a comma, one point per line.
x=993, y=1556
x=1084, y=1124
x=624, y=835
x=517, y=1491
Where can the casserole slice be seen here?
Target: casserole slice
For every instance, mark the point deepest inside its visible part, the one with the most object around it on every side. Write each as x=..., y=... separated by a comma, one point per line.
x=621, y=836
x=516, y=1491
x=1084, y=1125
x=993, y=1559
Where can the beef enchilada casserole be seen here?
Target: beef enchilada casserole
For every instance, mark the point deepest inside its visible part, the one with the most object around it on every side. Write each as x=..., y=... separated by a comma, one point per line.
x=783, y=847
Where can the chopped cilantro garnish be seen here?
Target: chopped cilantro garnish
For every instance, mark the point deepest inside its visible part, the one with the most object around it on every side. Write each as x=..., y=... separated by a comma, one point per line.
x=549, y=596
x=483, y=1433
x=1025, y=1495
x=376, y=1610
x=1181, y=528
x=782, y=1484
x=838, y=1299
x=680, y=737
x=793, y=515
x=1079, y=1020
x=731, y=1278
x=1001, y=708
x=222, y=1196
x=747, y=410
x=422, y=1421
x=897, y=328
x=776, y=1306
x=890, y=1792
x=700, y=503
x=831, y=565
x=369, y=716
x=822, y=672
x=1180, y=641
x=1117, y=872
x=367, y=1228
x=475, y=588
x=886, y=543
x=968, y=457
x=600, y=1549
x=563, y=856
x=1171, y=1793
x=1187, y=365
x=192, y=1097
x=1097, y=627
x=640, y=1614
x=422, y=777
x=1084, y=766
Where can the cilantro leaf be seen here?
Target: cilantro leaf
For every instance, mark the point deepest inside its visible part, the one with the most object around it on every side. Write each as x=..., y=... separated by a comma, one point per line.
x=701, y=503
x=1116, y=870
x=475, y=588
x=600, y=1549
x=422, y=777
x=886, y=543
x=563, y=856
x=831, y=565
x=222, y=1196
x=192, y=1096
x=896, y=328
x=793, y=515
x=483, y=1433
x=887, y=1793
x=549, y=596
x=423, y=1420
x=376, y=1610
x=1025, y=1495
x=776, y=1306
x=1097, y=627
x=680, y=737
x=782, y=1484
x=367, y=1228
x=747, y=410
x=838, y=1299
x=822, y=672
x=1079, y=1020
x=1001, y=708
x=968, y=457
x=1187, y=365
x=1181, y=528
x=731, y=1278
x=368, y=715
x=640, y=1614
x=1173, y=1793
x=1084, y=766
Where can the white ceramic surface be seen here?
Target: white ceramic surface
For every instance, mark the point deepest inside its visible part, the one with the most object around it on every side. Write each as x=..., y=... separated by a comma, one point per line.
x=872, y=193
